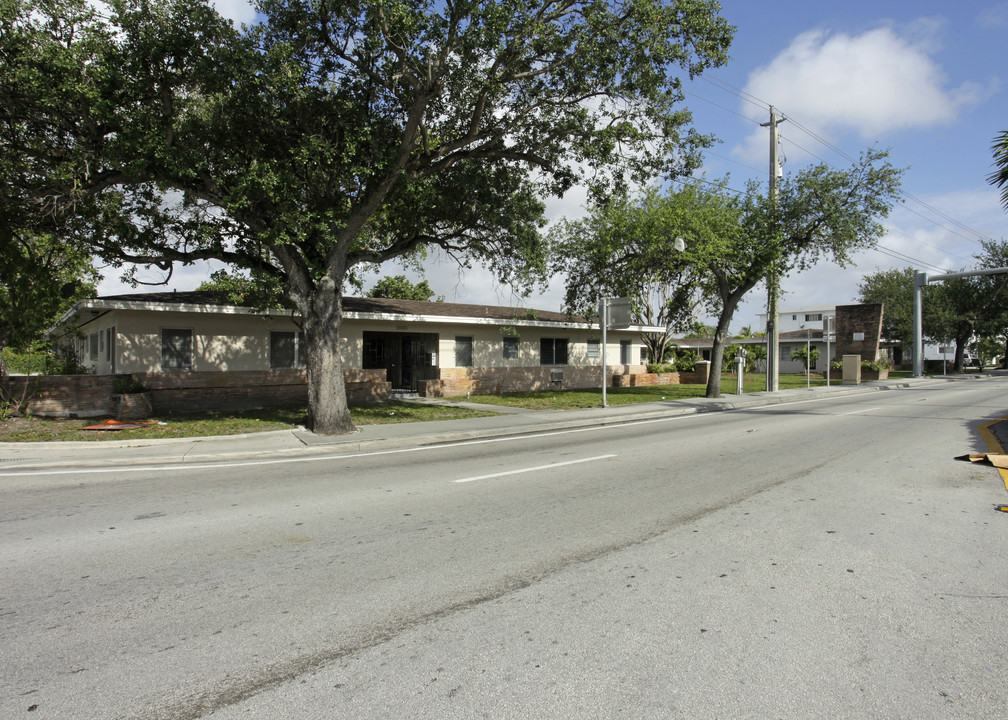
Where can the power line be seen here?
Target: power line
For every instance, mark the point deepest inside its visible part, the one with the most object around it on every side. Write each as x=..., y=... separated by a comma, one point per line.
x=732, y=160
x=738, y=92
x=762, y=104
x=681, y=181
x=903, y=257
x=717, y=105
x=783, y=137
x=924, y=242
x=952, y=220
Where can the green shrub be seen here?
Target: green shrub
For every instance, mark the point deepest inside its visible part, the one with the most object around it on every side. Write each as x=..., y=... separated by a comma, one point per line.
x=661, y=367
x=876, y=365
x=686, y=361
x=43, y=361
x=24, y=363
x=125, y=384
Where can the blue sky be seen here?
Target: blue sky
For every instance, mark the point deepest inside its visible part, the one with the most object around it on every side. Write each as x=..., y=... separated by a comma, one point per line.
x=925, y=79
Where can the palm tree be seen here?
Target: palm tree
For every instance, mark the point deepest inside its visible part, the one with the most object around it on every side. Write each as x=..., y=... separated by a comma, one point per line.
x=999, y=177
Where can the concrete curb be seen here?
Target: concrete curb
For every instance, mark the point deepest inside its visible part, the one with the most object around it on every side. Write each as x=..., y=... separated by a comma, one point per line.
x=18, y=458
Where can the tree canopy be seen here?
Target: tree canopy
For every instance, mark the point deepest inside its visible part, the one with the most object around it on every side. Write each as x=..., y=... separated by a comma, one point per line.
x=40, y=277
x=336, y=135
x=731, y=239
x=953, y=310
x=623, y=248
x=399, y=287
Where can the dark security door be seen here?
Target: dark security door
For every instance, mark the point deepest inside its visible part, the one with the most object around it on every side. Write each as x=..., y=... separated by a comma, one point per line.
x=407, y=357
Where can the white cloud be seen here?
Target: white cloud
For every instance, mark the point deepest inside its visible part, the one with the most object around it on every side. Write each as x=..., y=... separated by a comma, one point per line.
x=872, y=83
x=241, y=11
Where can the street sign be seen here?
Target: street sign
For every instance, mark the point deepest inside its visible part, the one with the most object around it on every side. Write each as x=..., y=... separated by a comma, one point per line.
x=619, y=312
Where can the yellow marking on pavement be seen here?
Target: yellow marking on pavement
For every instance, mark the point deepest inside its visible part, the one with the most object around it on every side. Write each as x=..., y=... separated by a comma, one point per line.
x=993, y=445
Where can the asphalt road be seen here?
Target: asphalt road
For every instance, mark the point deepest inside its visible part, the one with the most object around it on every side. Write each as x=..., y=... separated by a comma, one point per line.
x=822, y=559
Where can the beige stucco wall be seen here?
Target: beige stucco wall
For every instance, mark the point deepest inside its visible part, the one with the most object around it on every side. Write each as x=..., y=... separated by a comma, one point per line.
x=220, y=341
x=239, y=341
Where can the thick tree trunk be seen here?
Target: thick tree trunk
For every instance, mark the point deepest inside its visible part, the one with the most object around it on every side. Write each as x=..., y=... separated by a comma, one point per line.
x=717, y=350
x=327, y=401
x=963, y=335
x=657, y=345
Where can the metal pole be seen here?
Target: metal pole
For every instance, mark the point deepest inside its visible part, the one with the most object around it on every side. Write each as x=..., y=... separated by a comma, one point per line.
x=808, y=359
x=604, y=318
x=920, y=280
x=829, y=356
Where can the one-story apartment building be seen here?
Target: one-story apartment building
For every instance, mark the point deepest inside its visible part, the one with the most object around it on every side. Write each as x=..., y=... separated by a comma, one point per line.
x=432, y=348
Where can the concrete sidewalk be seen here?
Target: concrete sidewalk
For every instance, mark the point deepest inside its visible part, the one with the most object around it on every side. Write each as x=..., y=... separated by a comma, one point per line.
x=22, y=457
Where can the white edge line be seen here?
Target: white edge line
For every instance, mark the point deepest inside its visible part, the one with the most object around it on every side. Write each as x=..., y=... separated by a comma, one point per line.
x=532, y=469
x=858, y=412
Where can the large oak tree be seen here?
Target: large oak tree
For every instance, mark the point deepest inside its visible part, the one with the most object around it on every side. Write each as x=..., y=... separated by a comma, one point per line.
x=336, y=134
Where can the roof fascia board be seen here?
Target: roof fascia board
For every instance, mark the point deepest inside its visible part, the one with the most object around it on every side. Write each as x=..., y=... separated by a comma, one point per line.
x=99, y=305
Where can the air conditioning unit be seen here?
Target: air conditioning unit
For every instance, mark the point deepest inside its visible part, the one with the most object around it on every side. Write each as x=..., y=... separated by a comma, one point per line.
x=556, y=375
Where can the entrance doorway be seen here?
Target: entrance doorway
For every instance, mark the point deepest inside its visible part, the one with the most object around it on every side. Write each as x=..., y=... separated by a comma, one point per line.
x=406, y=357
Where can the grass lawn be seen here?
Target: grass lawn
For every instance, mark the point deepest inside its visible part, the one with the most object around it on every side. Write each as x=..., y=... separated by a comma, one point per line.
x=573, y=399
x=250, y=421
x=222, y=423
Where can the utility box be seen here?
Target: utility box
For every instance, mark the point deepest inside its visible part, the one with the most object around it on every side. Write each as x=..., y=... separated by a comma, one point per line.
x=851, y=369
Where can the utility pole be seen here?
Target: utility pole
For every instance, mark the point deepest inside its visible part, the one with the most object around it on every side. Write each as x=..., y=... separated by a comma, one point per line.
x=773, y=328
x=922, y=279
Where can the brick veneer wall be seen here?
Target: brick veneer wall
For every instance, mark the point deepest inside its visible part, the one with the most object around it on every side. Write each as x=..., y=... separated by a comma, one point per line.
x=672, y=378
x=178, y=392
x=858, y=318
x=63, y=395
x=454, y=382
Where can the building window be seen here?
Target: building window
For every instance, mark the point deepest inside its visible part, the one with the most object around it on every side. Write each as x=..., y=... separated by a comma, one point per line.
x=644, y=359
x=374, y=351
x=93, y=347
x=813, y=317
x=285, y=350
x=176, y=349
x=510, y=348
x=108, y=343
x=625, y=347
x=593, y=349
x=463, y=351
x=553, y=351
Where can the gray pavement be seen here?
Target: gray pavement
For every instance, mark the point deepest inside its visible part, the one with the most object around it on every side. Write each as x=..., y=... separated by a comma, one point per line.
x=15, y=457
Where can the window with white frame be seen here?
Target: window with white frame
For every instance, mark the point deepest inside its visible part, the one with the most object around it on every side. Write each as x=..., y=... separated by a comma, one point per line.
x=176, y=349
x=510, y=348
x=93, y=347
x=594, y=349
x=625, y=350
x=813, y=317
